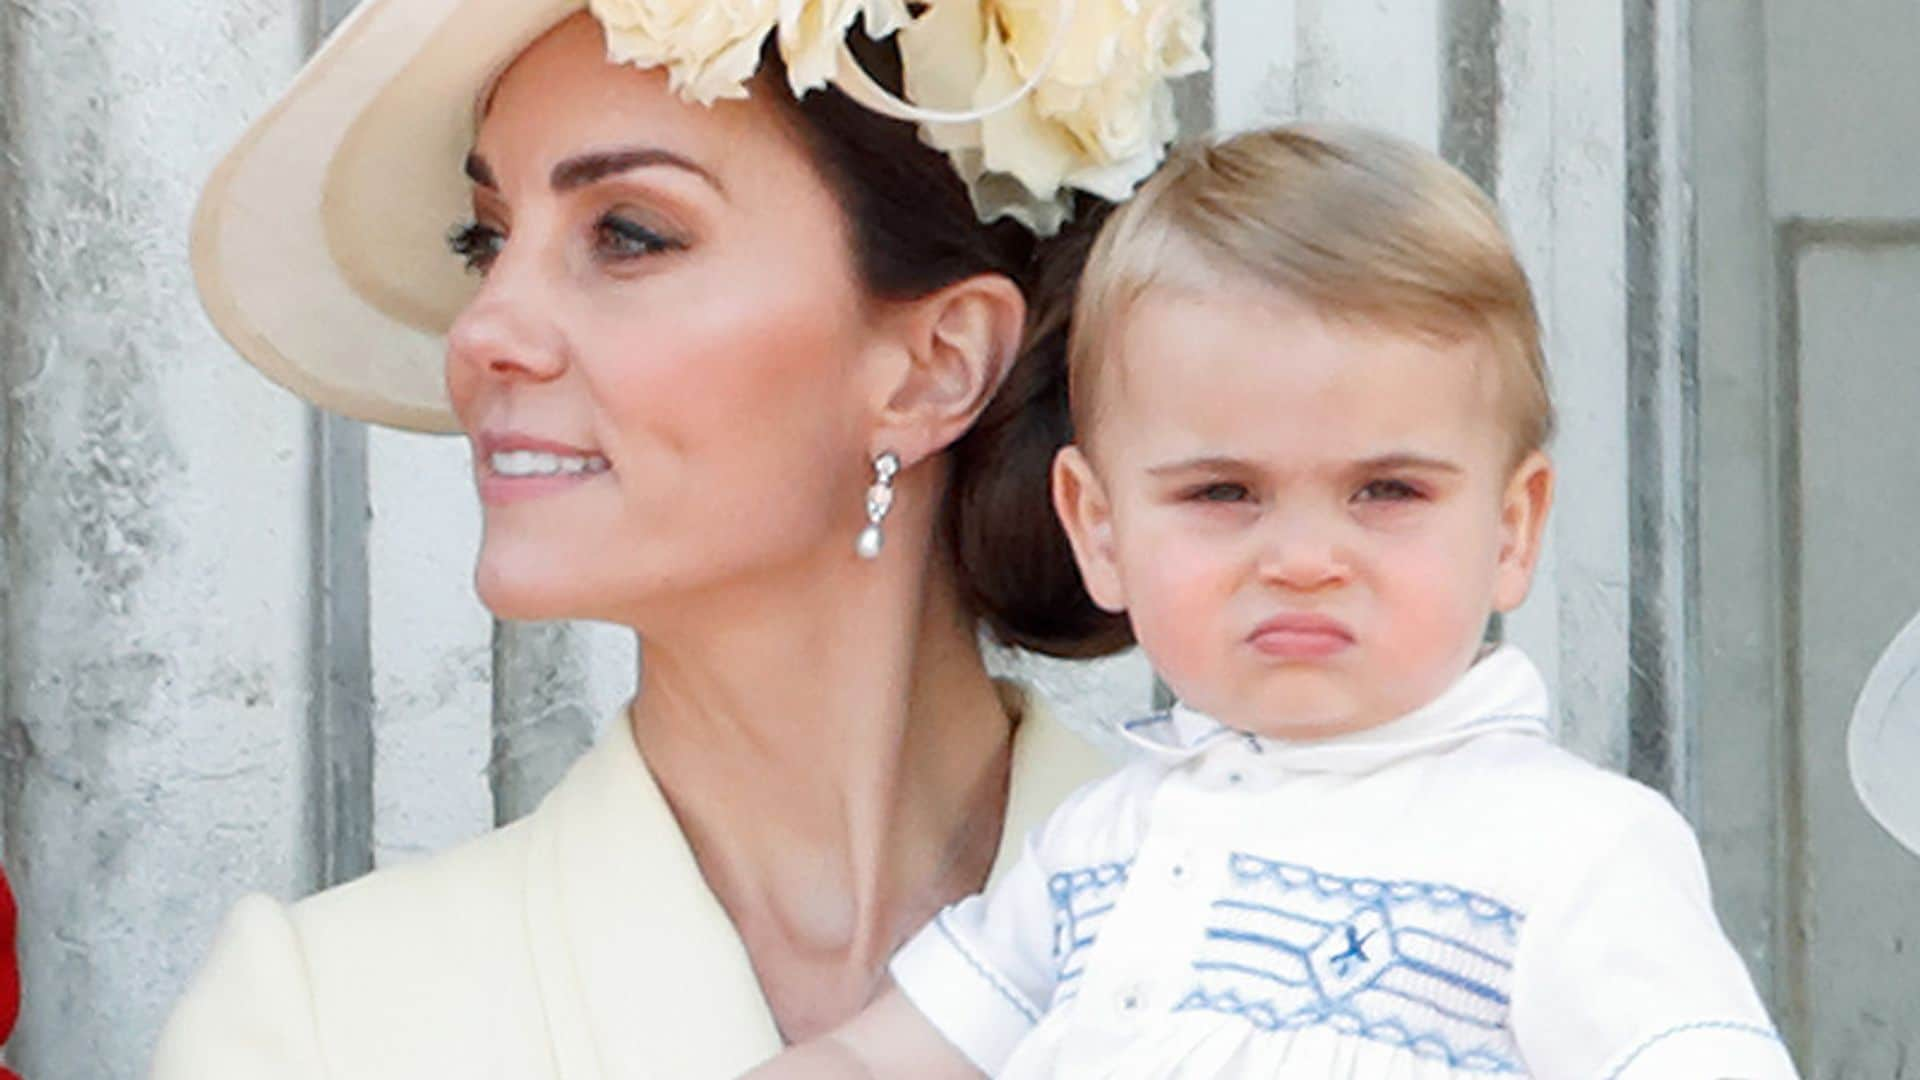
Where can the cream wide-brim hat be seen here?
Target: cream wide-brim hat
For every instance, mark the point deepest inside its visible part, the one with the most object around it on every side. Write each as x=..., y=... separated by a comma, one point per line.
x=319, y=245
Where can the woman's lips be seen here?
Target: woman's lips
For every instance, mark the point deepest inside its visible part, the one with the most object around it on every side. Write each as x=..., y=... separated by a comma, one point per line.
x=1300, y=637
x=514, y=468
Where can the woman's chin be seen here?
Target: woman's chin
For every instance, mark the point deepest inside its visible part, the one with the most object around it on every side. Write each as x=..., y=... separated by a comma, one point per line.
x=527, y=594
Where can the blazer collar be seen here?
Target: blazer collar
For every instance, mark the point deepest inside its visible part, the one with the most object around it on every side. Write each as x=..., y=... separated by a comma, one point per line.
x=641, y=970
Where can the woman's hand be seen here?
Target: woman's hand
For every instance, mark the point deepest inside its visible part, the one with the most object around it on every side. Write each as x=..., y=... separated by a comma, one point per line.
x=888, y=1039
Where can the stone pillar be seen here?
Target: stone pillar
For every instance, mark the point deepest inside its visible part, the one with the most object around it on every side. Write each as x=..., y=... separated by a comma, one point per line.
x=157, y=509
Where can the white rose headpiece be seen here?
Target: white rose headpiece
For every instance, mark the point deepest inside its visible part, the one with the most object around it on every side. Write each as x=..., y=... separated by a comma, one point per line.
x=1032, y=100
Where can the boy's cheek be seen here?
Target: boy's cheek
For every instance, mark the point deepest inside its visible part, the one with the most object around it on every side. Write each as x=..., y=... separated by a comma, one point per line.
x=1432, y=606
x=1179, y=596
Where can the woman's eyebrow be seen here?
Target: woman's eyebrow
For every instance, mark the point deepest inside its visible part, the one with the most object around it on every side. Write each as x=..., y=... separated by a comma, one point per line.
x=480, y=172
x=578, y=172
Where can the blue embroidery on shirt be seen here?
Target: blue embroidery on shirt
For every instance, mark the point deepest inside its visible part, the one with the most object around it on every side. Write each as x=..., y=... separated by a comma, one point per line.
x=1704, y=1025
x=1495, y=719
x=1291, y=876
x=1081, y=900
x=1148, y=721
x=1421, y=965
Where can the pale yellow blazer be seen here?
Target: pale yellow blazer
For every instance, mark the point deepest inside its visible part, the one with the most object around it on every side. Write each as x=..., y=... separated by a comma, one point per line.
x=578, y=944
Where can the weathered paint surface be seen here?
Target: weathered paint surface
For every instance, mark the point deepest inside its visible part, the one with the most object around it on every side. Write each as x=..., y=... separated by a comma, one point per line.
x=156, y=680
x=1858, y=390
x=1807, y=134
x=181, y=545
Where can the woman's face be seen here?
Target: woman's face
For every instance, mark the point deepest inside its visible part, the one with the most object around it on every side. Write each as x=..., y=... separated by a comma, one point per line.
x=660, y=372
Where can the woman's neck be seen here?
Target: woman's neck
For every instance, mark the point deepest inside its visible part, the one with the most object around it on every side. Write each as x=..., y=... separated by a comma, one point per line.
x=838, y=758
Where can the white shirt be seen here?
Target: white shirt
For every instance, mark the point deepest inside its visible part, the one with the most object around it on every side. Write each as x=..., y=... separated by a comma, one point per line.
x=1447, y=895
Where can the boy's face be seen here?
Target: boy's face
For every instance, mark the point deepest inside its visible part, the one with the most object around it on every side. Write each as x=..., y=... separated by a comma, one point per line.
x=1308, y=521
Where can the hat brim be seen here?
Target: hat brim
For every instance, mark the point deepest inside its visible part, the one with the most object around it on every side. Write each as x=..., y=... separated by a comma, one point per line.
x=319, y=244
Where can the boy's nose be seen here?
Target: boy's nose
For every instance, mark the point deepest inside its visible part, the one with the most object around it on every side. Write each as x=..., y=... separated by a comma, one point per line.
x=1303, y=556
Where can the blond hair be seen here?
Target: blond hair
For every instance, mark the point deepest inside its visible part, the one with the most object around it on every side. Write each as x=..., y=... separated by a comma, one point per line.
x=1356, y=224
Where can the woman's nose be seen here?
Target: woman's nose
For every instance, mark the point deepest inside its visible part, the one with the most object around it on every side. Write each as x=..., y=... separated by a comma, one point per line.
x=506, y=332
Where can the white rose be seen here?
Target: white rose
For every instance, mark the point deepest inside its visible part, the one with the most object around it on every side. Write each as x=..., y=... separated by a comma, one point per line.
x=1098, y=119
x=811, y=32
x=710, y=48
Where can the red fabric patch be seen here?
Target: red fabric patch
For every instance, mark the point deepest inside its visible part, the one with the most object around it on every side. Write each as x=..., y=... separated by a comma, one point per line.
x=9, y=970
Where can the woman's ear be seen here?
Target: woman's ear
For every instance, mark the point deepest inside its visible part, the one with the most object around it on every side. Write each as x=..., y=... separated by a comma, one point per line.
x=1523, y=518
x=959, y=345
x=1086, y=515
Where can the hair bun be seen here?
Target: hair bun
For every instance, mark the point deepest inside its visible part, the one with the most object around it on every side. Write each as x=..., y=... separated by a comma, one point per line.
x=1015, y=564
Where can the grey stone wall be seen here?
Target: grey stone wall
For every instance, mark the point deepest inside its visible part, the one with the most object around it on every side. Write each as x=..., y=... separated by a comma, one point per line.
x=240, y=650
x=1807, y=122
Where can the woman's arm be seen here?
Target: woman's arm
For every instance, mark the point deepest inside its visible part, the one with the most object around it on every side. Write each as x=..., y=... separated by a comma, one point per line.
x=888, y=1039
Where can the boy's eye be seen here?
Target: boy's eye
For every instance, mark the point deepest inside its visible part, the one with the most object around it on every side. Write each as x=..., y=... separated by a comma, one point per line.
x=1220, y=493
x=1387, y=491
x=478, y=245
x=623, y=238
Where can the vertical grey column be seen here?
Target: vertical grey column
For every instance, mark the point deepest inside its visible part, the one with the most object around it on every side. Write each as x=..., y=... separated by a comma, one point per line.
x=1748, y=791
x=550, y=697
x=1663, y=391
x=156, y=498
x=1470, y=130
x=340, y=766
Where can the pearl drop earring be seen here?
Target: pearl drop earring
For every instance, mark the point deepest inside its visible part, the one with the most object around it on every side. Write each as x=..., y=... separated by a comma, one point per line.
x=879, y=504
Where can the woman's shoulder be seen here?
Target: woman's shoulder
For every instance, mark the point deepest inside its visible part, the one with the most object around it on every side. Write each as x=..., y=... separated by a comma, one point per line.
x=383, y=969
x=471, y=884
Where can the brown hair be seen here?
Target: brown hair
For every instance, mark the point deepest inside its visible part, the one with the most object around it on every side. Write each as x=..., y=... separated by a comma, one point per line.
x=1355, y=223
x=913, y=231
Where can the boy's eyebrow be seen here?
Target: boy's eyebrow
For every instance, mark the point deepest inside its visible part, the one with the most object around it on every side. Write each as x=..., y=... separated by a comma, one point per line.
x=1382, y=463
x=1407, y=460
x=1199, y=464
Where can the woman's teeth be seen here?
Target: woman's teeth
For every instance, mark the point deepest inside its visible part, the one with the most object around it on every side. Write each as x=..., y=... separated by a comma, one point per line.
x=519, y=463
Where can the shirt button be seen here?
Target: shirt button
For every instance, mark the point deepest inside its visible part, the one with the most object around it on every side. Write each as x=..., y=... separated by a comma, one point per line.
x=1131, y=1000
x=1235, y=778
x=1181, y=871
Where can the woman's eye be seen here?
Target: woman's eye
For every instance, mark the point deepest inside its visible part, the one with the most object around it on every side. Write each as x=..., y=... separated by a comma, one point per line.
x=1220, y=493
x=1387, y=491
x=622, y=238
x=477, y=245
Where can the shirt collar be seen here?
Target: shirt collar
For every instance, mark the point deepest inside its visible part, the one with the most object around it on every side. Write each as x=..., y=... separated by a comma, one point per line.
x=1502, y=692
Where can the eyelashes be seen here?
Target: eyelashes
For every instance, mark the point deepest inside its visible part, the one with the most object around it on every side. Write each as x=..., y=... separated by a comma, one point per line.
x=1377, y=491
x=1388, y=491
x=622, y=238
x=476, y=245
x=616, y=240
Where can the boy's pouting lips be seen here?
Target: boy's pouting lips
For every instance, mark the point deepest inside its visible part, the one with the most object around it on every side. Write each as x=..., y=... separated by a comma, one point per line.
x=1309, y=519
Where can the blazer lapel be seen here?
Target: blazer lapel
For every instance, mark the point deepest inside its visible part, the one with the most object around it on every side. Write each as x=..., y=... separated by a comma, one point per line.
x=663, y=983
x=642, y=973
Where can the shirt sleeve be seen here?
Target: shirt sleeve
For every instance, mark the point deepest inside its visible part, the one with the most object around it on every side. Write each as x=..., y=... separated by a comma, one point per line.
x=1628, y=976
x=249, y=1013
x=985, y=969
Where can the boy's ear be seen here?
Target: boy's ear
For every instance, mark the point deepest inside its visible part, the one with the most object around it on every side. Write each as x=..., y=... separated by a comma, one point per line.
x=1085, y=513
x=1523, y=519
x=955, y=348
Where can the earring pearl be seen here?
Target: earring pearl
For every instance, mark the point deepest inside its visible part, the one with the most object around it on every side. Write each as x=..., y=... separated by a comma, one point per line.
x=879, y=505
